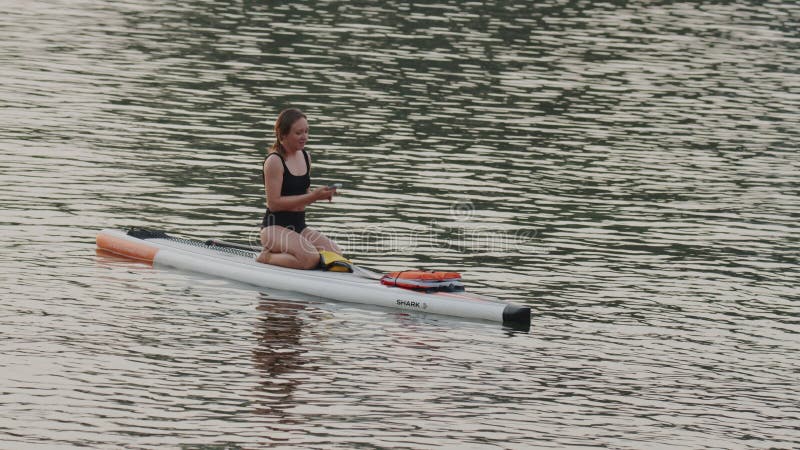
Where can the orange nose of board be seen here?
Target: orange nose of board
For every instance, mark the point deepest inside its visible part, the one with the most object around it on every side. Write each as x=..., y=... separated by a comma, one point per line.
x=127, y=248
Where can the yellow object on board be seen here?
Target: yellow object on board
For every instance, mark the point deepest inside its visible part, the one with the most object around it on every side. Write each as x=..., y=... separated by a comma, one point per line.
x=334, y=262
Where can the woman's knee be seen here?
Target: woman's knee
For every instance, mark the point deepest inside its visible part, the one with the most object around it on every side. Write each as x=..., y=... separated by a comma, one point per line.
x=320, y=241
x=309, y=260
x=280, y=240
x=334, y=248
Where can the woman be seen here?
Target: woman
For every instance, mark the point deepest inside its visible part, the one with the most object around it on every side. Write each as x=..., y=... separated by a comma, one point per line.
x=287, y=241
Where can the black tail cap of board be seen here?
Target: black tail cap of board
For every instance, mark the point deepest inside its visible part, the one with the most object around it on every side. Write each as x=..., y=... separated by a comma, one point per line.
x=517, y=317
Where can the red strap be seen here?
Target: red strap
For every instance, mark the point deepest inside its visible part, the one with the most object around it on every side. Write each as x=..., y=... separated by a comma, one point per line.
x=425, y=275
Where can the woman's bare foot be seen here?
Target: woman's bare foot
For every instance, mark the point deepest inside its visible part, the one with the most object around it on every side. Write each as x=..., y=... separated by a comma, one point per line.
x=264, y=256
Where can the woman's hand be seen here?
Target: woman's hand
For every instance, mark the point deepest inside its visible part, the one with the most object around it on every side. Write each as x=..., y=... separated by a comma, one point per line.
x=323, y=193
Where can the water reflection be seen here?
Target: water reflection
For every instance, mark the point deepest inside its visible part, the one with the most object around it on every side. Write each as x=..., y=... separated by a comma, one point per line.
x=649, y=147
x=278, y=356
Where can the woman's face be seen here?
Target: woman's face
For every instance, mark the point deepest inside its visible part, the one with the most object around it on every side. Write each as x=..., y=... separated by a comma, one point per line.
x=297, y=137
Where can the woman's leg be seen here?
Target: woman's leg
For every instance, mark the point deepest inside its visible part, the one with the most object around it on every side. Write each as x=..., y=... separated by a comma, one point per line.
x=285, y=248
x=320, y=241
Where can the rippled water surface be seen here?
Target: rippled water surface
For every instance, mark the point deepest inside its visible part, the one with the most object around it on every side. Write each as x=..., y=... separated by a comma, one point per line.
x=629, y=170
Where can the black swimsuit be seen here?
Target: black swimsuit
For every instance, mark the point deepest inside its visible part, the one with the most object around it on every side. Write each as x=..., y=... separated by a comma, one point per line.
x=292, y=185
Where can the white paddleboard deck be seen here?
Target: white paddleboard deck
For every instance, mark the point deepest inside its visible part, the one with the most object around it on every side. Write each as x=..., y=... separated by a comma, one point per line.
x=240, y=265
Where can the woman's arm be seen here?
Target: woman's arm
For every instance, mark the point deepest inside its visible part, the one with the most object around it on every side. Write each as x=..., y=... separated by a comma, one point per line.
x=273, y=168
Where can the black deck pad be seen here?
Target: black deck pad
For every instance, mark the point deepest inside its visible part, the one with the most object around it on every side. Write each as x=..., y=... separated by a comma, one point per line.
x=146, y=233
